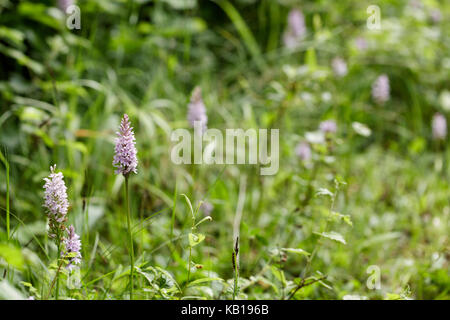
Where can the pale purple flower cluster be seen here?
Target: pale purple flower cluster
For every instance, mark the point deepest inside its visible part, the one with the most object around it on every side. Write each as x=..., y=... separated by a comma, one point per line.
x=339, y=67
x=73, y=246
x=197, y=110
x=381, y=89
x=296, y=29
x=328, y=126
x=55, y=200
x=303, y=151
x=125, y=159
x=439, y=126
x=57, y=205
x=64, y=4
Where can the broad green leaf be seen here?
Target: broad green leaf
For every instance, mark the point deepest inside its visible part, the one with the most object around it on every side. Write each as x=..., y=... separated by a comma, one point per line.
x=324, y=192
x=195, y=239
x=333, y=236
x=296, y=250
x=12, y=255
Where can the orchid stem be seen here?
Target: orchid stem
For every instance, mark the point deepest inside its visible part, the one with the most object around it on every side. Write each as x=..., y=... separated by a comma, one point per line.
x=130, y=237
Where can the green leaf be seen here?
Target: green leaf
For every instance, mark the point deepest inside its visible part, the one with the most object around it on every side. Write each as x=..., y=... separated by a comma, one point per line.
x=324, y=192
x=13, y=36
x=30, y=287
x=168, y=275
x=380, y=238
x=22, y=59
x=12, y=255
x=189, y=204
x=182, y=4
x=296, y=250
x=333, y=236
x=279, y=274
x=344, y=217
x=195, y=239
x=244, y=31
x=324, y=284
x=9, y=292
x=393, y=296
x=203, y=280
x=311, y=59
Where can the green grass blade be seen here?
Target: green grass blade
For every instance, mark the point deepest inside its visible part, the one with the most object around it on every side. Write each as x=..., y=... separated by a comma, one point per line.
x=243, y=30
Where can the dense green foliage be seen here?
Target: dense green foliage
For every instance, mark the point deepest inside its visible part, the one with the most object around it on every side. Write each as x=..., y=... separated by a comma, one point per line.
x=375, y=193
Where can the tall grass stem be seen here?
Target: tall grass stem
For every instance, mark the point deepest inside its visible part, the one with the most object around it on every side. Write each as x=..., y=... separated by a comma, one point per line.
x=6, y=163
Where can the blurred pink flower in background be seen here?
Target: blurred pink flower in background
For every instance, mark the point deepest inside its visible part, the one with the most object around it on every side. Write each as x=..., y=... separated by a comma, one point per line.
x=303, y=151
x=361, y=43
x=328, y=126
x=436, y=15
x=207, y=207
x=439, y=126
x=339, y=67
x=64, y=4
x=197, y=109
x=295, y=30
x=381, y=89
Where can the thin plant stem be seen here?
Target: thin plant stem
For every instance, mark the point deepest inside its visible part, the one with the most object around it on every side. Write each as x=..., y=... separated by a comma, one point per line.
x=190, y=246
x=86, y=225
x=235, y=288
x=236, y=277
x=8, y=228
x=189, y=265
x=59, y=268
x=130, y=237
x=5, y=162
x=283, y=284
x=172, y=224
x=56, y=278
x=316, y=247
x=305, y=284
x=236, y=268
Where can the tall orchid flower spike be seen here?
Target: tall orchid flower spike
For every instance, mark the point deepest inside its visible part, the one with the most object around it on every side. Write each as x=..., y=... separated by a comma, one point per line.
x=125, y=159
x=55, y=201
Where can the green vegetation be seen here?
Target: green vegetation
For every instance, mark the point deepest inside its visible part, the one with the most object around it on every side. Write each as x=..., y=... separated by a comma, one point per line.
x=374, y=193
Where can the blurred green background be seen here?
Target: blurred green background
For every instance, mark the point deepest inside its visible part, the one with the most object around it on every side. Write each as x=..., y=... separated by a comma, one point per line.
x=64, y=91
